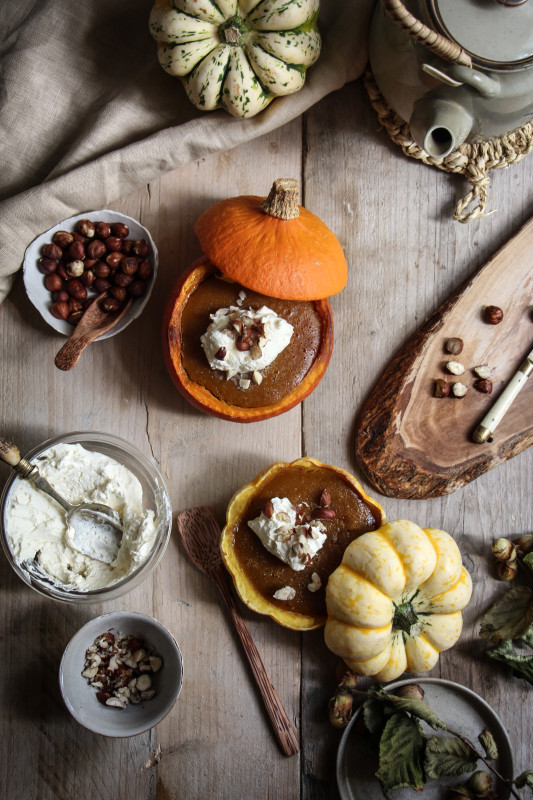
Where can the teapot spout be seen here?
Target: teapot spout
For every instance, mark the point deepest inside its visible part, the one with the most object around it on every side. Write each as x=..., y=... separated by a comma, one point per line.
x=439, y=125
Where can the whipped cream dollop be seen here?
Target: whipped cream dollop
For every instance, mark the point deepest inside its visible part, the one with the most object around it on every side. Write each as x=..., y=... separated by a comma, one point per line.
x=286, y=536
x=36, y=527
x=241, y=340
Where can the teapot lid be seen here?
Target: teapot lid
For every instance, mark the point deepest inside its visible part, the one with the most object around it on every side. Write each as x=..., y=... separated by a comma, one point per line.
x=496, y=33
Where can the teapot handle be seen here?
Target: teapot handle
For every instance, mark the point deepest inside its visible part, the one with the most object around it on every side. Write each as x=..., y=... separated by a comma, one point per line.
x=438, y=44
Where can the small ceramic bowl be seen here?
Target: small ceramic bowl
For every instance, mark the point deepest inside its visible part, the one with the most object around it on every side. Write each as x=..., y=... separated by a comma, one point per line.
x=34, y=278
x=155, y=497
x=80, y=696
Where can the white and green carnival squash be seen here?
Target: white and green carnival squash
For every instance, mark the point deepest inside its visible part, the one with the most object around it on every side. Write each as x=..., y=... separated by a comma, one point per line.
x=236, y=55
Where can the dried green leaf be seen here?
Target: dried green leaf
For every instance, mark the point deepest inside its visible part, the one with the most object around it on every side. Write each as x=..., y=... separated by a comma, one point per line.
x=527, y=638
x=527, y=561
x=374, y=716
x=510, y=616
x=490, y=747
x=417, y=708
x=521, y=665
x=401, y=753
x=525, y=779
x=447, y=755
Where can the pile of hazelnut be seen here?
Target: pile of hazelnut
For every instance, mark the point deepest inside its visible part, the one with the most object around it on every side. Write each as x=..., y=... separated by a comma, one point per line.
x=96, y=257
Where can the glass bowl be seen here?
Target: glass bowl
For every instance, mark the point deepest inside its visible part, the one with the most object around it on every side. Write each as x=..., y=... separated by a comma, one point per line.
x=155, y=497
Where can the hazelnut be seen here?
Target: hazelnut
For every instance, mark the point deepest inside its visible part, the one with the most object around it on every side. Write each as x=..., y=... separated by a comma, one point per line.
x=63, y=239
x=74, y=317
x=483, y=371
x=441, y=388
x=119, y=292
x=492, y=315
x=59, y=310
x=453, y=346
x=86, y=228
x=114, y=259
x=47, y=265
x=79, y=238
x=122, y=280
x=96, y=249
x=127, y=246
x=103, y=229
x=101, y=270
x=76, y=289
x=483, y=385
x=459, y=389
x=75, y=268
x=62, y=271
x=141, y=248
x=101, y=285
x=455, y=367
x=51, y=251
x=76, y=251
x=53, y=282
x=144, y=271
x=87, y=278
x=110, y=305
x=113, y=243
x=74, y=305
x=129, y=265
x=323, y=513
x=62, y=295
x=120, y=230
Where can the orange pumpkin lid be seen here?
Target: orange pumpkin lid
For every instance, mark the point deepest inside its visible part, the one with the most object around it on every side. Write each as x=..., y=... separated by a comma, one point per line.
x=273, y=245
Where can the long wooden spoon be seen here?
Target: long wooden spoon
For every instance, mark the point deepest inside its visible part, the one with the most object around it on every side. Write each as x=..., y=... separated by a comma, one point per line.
x=200, y=534
x=94, y=322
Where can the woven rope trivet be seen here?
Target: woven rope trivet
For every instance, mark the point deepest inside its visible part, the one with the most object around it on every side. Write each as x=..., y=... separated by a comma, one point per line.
x=473, y=161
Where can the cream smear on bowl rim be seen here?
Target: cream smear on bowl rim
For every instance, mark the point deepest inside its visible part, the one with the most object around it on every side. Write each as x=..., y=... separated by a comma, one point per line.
x=35, y=528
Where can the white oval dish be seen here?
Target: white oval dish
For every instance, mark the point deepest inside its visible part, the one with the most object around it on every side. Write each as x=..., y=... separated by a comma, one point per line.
x=34, y=278
x=80, y=697
x=461, y=708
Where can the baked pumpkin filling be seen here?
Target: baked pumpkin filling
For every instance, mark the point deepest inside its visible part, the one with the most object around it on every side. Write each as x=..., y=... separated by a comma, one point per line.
x=252, y=388
x=323, y=502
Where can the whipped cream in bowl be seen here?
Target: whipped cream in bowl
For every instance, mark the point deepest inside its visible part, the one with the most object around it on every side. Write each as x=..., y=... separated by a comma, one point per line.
x=93, y=467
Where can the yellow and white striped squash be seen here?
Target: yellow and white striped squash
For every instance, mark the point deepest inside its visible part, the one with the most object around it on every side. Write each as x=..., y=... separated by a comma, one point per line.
x=395, y=601
x=236, y=54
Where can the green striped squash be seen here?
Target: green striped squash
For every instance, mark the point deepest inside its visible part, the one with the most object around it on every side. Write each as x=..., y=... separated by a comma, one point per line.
x=236, y=55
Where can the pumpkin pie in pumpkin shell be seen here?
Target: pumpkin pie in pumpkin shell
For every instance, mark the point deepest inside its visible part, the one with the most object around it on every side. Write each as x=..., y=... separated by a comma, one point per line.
x=286, y=532
x=248, y=329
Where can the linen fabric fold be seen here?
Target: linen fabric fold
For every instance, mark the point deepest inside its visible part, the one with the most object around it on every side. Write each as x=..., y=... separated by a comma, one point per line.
x=87, y=114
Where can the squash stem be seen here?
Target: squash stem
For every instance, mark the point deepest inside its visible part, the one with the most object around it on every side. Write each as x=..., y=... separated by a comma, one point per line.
x=282, y=201
x=233, y=31
x=405, y=619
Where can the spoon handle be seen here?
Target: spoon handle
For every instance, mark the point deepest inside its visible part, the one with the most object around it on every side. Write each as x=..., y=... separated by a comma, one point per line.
x=69, y=355
x=278, y=716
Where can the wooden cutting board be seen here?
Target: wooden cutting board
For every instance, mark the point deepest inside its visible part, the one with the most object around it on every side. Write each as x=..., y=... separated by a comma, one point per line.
x=411, y=444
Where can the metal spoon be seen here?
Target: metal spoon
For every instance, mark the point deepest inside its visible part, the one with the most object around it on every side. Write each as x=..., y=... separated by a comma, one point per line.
x=94, y=322
x=200, y=534
x=92, y=528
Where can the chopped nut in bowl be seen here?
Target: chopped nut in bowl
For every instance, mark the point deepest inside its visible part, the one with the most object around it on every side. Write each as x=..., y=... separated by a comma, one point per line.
x=121, y=674
x=69, y=265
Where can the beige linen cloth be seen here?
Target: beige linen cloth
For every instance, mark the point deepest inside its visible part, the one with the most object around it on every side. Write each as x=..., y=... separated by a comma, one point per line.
x=87, y=114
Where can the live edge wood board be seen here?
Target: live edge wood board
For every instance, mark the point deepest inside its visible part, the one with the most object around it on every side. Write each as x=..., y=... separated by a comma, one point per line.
x=412, y=444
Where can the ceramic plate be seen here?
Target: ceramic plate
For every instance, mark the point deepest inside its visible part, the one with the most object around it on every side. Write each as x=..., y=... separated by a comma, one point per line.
x=454, y=704
x=34, y=278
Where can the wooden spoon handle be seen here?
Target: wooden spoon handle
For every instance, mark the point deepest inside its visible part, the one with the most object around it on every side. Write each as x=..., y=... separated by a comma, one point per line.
x=9, y=452
x=278, y=716
x=69, y=355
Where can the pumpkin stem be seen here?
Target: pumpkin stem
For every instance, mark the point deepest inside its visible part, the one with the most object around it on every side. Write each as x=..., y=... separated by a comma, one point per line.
x=233, y=31
x=405, y=619
x=282, y=201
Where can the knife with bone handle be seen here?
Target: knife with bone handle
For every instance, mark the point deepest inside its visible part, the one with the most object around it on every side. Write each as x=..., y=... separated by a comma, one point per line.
x=485, y=430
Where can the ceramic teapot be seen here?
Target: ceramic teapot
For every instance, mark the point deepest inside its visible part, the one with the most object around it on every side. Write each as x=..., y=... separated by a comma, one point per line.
x=455, y=70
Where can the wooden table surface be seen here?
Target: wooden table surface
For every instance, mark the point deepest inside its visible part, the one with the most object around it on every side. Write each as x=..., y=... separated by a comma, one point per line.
x=393, y=217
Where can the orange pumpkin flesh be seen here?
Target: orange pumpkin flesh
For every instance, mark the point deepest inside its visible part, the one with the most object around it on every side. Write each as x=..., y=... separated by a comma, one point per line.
x=198, y=395
x=295, y=258
x=366, y=514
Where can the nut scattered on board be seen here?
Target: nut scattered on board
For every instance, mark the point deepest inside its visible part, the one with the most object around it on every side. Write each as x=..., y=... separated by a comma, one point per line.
x=483, y=385
x=455, y=367
x=459, y=389
x=492, y=315
x=441, y=388
x=453, y=346
x=119, y=667
x=483, y=371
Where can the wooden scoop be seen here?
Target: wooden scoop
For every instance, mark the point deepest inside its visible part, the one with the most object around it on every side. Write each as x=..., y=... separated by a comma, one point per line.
x=92, y=324
x=200, y=534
